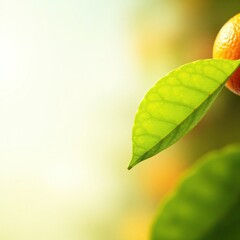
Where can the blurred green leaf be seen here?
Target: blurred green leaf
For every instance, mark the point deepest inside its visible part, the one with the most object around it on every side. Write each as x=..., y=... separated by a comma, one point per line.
x=176, y=104
x=206, y=205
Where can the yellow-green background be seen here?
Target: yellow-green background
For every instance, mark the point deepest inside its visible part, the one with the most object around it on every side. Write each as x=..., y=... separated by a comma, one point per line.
x=72, y=74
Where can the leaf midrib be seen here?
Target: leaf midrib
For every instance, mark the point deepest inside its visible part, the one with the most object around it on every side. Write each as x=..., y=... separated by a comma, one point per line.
x=174, y=129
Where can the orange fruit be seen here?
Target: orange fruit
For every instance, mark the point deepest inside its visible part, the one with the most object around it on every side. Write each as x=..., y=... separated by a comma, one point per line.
x=227, y=46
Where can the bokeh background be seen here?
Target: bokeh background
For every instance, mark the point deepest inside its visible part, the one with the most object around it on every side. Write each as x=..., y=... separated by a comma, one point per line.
x=72, y=74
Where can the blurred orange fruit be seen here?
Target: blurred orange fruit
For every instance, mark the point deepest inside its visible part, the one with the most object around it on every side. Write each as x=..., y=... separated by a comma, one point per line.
x=227, y=46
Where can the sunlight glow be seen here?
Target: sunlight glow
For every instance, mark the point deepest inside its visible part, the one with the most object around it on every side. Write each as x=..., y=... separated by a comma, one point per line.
x=11, y=65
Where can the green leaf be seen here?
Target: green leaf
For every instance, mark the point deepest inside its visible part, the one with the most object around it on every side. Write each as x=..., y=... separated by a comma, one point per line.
x=206, y=205
x=176, y=104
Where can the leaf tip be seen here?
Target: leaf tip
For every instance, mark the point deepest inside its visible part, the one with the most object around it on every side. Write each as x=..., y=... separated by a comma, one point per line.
x=129, y=167
x=132, y=164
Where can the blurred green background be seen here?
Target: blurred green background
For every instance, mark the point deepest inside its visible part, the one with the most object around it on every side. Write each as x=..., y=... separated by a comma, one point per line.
x=72, y=76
